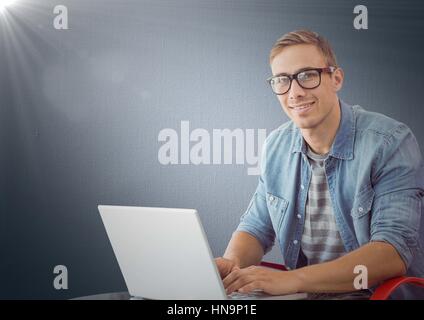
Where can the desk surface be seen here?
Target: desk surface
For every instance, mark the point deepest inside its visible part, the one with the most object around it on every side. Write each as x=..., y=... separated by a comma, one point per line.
x=360, y=295
x=106, y=296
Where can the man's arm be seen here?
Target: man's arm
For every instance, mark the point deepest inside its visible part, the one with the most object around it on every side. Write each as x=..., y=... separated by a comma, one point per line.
x=381, y=259
x=244, y=249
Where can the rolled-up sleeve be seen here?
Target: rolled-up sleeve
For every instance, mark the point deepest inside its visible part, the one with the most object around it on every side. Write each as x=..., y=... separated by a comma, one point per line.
x=256, y=220
x=398, y=185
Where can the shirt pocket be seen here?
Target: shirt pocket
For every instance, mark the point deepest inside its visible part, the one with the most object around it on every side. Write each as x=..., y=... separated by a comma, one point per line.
x=277, y=207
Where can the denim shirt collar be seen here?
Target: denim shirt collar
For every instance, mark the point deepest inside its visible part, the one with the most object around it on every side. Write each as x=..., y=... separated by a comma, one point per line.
x=342, y=147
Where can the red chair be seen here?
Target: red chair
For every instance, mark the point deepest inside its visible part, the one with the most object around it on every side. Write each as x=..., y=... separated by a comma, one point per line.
x=382, y=292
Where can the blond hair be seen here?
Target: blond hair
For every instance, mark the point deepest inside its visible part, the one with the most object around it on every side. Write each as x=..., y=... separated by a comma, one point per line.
x=304, y=37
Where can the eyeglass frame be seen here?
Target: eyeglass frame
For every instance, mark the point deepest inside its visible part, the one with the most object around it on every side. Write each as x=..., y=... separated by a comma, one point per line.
x=293, y=76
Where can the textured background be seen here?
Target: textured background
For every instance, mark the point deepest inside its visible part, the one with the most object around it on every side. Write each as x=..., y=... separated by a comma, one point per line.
x=81, y=110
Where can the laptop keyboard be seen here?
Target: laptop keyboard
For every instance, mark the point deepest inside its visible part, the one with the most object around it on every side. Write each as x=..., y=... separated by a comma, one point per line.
x=246, y=296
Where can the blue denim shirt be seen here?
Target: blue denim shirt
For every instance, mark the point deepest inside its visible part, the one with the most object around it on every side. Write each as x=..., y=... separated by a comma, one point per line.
x=375, y=176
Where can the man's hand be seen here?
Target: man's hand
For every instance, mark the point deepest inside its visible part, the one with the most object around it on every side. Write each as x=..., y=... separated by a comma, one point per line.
x=259, y=278
x=225, y=266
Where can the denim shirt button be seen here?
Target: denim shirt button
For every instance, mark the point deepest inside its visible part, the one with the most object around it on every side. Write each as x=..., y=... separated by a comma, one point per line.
x=295, y=241
x=271, y=198
x=302, y=186
x=360, y=209
x=299, y=216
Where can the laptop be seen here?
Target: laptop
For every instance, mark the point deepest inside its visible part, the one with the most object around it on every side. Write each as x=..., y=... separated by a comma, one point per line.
x=163, y=253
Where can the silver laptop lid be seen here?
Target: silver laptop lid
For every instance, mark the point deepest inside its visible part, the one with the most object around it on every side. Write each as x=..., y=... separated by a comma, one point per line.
x=163, y=253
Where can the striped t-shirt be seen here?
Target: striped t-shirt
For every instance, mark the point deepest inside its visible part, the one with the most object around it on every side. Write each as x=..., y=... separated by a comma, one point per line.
x=321, y=240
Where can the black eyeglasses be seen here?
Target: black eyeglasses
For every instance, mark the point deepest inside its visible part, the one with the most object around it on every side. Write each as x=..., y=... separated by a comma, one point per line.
x=307, y=78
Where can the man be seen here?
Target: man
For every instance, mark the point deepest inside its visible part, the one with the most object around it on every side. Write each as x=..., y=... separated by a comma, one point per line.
x=340, y=187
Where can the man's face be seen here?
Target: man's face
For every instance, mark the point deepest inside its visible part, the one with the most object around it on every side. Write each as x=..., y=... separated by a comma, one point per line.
x=322, y=100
